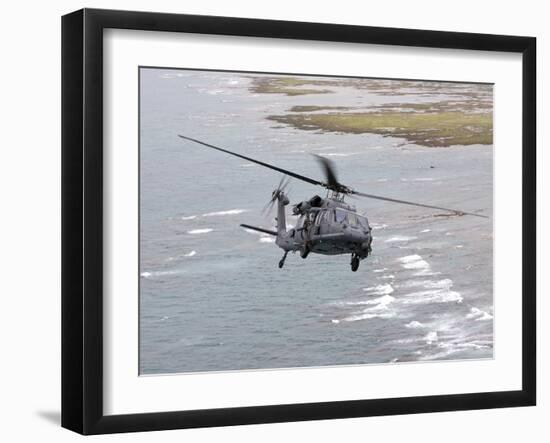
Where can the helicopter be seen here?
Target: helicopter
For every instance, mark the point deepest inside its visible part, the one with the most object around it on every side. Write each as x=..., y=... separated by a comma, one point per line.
x=327, y=226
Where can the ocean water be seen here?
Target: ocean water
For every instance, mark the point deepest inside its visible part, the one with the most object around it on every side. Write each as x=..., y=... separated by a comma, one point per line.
x=211, y=295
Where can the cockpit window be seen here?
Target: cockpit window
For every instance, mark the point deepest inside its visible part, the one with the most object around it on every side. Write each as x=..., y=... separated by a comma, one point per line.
x=363, y=221
x=352, y=218
x=340, y=216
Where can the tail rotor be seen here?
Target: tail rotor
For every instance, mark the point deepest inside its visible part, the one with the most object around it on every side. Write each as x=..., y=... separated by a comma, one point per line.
x=283, y=183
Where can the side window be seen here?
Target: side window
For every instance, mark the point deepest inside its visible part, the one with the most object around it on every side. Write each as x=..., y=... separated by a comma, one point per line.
x=352, y=218
x=340, y=216
x=319, y=218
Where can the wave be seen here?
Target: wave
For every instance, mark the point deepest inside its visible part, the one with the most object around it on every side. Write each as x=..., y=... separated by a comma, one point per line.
x=152, y=274
x=337, y=154
x=189, y=217
x=432, y=296
x=199, y=231
x=189, y=254
x=446, y=283
x=415, y=325
x=400, y=238
x=478, y=315
x=267, y=239
x=416, y=262
x=448, y=348
x=434, y=291
x=431, y=337
x=380, y=289
x=228, y=212
x=381, y=309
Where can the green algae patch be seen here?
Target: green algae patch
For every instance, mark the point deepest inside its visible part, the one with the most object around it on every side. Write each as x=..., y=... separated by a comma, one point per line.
x=318, y=108
x=282, y=85
x=441, y=129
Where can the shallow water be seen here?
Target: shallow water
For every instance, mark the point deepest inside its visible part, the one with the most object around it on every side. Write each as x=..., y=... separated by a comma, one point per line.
x=212, y=297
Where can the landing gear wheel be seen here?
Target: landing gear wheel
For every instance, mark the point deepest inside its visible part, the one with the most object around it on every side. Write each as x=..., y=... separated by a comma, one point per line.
x=354, y=263
x=304, y=252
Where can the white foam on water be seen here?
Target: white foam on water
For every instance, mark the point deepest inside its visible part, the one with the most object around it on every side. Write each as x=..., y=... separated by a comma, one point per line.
x=199, y=231
x=153, y=274
x=432, y=296
x=335, y=321
x=380, y=289
x=415, y=325
x=410, y=259
x=337, y=154
x=431, y=337
x=425, y=230
x=380, y=270
x=478, y=315
x=445, y=283
x=378, y=226
x=381, y=302
x=400, y=238
x=380, y=309
x=190, y=217
x=387, y=277
x=247, y=165
x=416, y=262
x=189, y=254
x=449, y=348
x=228, y=212
x=267, y=239
x=434, y=291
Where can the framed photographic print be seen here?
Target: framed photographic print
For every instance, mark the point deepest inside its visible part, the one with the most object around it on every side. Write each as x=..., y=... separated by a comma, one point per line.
x=270, y=221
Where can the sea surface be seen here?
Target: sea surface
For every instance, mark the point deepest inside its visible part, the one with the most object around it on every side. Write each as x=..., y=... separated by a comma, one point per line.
x=211, y=295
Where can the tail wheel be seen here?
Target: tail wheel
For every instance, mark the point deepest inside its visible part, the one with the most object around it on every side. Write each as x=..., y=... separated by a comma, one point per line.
x=354, y=263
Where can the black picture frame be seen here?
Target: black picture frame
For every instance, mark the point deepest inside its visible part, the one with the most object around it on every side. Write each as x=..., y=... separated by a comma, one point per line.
x=82, y=218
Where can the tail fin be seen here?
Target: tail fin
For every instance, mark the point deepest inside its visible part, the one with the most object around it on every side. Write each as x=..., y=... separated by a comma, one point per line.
x=282, y=201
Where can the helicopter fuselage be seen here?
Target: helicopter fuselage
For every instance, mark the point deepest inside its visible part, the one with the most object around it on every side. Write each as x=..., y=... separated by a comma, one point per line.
x=327, y=226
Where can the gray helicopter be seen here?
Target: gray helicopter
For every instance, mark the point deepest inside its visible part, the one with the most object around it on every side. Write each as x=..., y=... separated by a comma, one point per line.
x=328, y=225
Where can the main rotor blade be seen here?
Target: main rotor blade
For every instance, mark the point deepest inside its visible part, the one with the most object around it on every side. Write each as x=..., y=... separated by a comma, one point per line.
x=275, y=168
x=404, y=202
x=329, y=169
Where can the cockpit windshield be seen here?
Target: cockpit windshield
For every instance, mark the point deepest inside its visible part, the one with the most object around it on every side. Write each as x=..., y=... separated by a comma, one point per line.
x=351, y=218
